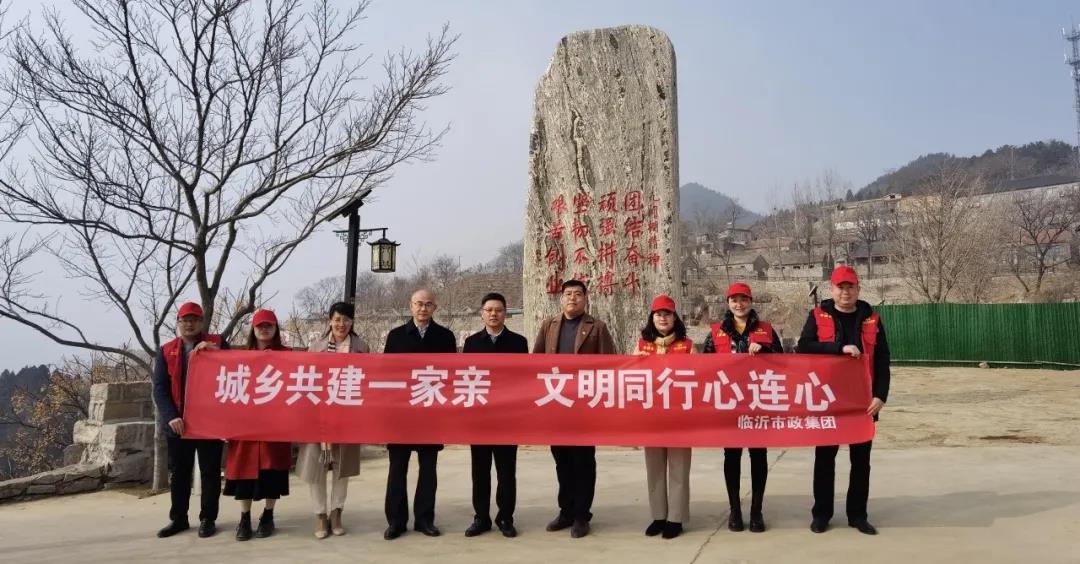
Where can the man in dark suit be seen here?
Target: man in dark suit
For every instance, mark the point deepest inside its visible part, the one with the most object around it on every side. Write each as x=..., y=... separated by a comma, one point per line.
x=574, y=332
x=494, y=338
x=418, y=335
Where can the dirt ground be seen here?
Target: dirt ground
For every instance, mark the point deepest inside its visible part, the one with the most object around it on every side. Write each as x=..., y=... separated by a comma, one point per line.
x=961, y=407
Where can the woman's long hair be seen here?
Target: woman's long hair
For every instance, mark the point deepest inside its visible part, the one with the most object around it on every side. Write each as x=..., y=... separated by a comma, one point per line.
x=650, y=332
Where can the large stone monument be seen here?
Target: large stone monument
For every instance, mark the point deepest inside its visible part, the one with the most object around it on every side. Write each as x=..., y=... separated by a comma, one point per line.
x=603, y=178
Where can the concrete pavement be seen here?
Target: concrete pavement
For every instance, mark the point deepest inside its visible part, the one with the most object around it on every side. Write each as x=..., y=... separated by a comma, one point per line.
x=979, y=504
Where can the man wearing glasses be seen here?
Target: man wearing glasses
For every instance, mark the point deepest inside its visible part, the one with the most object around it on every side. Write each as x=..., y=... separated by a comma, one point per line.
x=420, y=334
x=494, y=338
x=170, y=381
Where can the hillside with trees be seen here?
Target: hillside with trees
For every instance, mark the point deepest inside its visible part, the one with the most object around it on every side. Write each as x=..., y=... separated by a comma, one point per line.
x=999, y=168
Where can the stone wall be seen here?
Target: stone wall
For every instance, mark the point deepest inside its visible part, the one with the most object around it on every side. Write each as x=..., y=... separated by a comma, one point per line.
x=113, y=448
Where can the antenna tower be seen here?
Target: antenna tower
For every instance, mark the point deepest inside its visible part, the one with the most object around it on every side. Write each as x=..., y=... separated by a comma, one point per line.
x=1072, y=58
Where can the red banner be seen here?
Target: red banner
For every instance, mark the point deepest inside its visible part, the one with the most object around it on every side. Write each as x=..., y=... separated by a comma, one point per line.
x=676, y=400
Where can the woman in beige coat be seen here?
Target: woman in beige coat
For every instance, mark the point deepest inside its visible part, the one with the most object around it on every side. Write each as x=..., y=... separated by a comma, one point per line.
x=343, y=460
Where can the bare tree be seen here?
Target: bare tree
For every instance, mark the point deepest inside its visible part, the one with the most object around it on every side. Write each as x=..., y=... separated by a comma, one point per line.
x=829, y=186
x=1042, y=224
x=509, y=259
x=315, y=300
x=44, y=418
x=942, y=233
x=868, y=231
x=194, y=149
x=805, y=216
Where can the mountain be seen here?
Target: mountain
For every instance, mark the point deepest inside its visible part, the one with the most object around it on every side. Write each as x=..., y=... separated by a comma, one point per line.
x=1002, y=168
x=698, y=203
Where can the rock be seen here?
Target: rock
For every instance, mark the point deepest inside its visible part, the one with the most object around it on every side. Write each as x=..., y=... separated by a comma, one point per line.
x=73, y=454
x=603, y=195
x=41, y=489
x=120, y=401
x=80, y=471
x=984, y=364
x=86, y=432
x=84, y=484
x=48, y=477
x=13, y=489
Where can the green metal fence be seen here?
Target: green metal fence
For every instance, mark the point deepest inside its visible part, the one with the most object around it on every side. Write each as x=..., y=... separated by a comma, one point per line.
x=1046, y=334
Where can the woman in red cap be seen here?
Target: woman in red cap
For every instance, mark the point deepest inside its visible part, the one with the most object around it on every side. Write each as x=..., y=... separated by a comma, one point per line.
x=742, y=332
x=256, y=470
x=667, y=469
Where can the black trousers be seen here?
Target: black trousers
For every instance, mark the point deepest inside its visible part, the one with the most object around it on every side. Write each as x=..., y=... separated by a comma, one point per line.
x=825, y=478
x=759, y=473
x=397, y=493
x=575, y=467
x=181, y=465
x=505, y=457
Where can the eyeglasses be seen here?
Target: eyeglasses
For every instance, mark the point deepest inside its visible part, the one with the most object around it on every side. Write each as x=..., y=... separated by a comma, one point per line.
x=423, y=305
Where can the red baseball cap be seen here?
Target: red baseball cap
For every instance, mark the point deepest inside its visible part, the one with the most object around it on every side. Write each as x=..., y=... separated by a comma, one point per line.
x=663, y=301
x=189, y=308
x=844, y=274
x=739, y=288
x=263, y=316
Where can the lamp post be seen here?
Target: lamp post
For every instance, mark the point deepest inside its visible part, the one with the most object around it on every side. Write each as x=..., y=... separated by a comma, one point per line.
x=383, y=251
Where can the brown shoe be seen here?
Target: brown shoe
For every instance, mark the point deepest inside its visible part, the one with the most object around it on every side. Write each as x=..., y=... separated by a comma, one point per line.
x=322, y=526
x=335, y=523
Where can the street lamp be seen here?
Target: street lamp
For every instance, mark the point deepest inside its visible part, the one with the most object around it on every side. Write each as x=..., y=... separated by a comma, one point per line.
x=383, y=251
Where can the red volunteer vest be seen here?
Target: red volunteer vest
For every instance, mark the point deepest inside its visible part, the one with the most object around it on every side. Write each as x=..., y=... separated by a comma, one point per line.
x=172, y=350
x=761, y=334
x=685, y=346
x=826, y=333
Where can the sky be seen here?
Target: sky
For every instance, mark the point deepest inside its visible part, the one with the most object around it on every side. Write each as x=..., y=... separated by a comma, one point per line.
x=769, y=94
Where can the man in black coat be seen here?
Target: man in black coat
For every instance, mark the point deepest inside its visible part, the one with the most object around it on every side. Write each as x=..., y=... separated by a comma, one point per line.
x=418, y=335
x=494, y=338
x=846, y=325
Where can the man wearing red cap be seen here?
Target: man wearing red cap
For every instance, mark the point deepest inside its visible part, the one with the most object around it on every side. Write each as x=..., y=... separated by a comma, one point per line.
x=847, y=325
x=170, y=380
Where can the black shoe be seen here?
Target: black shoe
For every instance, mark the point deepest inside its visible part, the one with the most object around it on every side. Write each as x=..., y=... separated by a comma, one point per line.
x=559, y=523
x=819, y=525
x=243, y=530
x=655, y=528
x=672, y=530
x=207, y=528
x=757, y=523
x=478, y=527
x=507, y=529
x=579, y=529
x=735, y=522
x=428, y=529
x=863, y=526
x=393, y=531
x=172, y=528
x=266, y=524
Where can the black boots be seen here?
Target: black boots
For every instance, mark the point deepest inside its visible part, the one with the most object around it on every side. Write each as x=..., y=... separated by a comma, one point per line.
x=243, y=530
